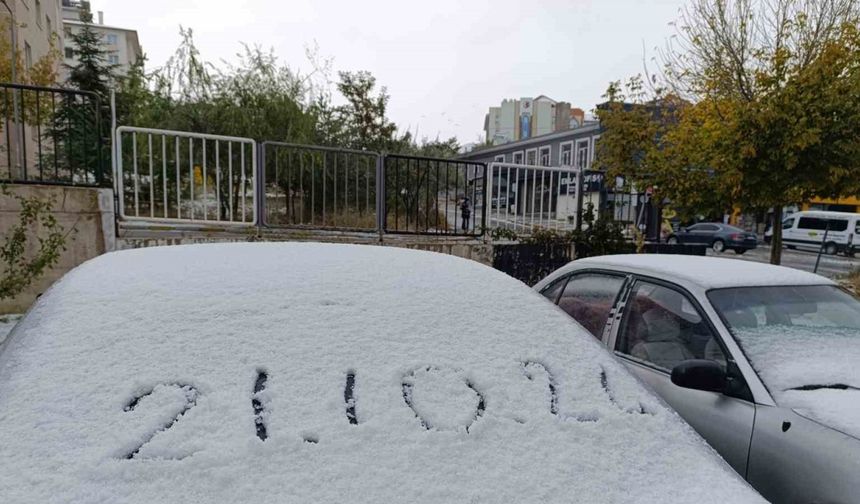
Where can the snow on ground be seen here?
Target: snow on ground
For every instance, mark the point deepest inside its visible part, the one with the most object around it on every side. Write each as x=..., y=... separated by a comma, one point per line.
x=327, y=373
x=787, y=357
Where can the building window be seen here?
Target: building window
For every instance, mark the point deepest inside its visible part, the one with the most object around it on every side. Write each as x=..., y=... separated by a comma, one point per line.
x=518, y=157
x=111, y=39
x=28, y=56
x=594, y=145
x=39, y=13
x=113, y=59
x=543, y=156
x=499, y=159
x=50, y=28
x=70, y=53
x=67, y=31
x=531, y=157
x=581, y=160
x=565, y=157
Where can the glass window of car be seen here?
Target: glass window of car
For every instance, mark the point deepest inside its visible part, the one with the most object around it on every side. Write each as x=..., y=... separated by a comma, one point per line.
x=788, y=223
x=589, y=297
x=552, y=291
x=812, y=223
x=838, y=225
x=795, y=336
x=664, y=328
x=703, y=227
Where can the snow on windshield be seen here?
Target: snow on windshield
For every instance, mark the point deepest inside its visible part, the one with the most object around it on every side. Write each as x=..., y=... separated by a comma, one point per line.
x=809, y=358
x=327, y=373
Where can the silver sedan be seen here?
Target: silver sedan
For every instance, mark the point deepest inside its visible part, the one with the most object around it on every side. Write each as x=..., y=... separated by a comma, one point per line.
x=762, y=361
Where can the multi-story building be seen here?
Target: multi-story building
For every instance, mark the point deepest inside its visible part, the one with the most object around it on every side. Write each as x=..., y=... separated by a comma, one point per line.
x=37, y=27
x=529, y=117
x=121, y=44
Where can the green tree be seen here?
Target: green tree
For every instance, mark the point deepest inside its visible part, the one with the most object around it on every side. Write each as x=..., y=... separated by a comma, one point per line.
x=80, y=123
x=364, y=116
x=772, y=114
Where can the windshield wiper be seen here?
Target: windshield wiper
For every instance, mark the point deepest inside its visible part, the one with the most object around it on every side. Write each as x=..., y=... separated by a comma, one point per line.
x=835, y=386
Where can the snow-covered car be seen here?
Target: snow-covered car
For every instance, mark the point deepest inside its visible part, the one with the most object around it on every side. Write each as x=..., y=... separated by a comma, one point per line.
x=763, y=361
x=309, y=373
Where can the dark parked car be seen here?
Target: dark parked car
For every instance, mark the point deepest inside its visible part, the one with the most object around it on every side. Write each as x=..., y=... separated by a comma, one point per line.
x=717, y=236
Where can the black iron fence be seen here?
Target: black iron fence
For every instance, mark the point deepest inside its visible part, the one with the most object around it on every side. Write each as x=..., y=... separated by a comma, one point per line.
x=433, y=196
x=52, y=135
x=319, y=187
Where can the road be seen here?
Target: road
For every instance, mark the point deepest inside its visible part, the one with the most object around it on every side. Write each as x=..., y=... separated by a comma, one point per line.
x=831, y=266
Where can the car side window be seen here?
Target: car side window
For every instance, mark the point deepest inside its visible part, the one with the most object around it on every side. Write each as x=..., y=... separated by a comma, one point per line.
x=663, y=327
x=589, y=297
x=552, y=290
x=788, y=223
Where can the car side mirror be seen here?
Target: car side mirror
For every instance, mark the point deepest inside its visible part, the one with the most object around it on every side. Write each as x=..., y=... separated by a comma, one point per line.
x=700, y=374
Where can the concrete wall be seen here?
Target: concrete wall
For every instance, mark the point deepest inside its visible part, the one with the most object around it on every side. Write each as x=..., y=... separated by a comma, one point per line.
x=88, y=211
x=139, y=236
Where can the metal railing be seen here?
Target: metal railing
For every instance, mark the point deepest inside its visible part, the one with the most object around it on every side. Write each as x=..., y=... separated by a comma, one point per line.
x=433, y=196
x=177, y=176
x=52, y=135
x=319, y=187
x=525, y=197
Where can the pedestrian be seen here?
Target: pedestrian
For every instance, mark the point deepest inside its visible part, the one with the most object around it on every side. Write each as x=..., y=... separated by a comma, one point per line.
x=465, y=213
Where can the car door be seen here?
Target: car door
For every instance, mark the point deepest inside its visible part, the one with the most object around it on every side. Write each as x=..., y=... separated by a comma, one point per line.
x=589, y=297
x=659, y=325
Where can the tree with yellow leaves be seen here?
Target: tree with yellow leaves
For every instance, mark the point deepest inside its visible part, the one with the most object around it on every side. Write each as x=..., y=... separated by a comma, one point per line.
x=764, y=109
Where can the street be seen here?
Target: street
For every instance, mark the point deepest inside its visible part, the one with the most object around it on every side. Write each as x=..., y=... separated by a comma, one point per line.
x=830, y=266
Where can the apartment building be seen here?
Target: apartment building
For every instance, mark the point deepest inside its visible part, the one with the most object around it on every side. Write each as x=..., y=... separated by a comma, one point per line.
x=37, y=27
x=524, y=118
x=122, y=44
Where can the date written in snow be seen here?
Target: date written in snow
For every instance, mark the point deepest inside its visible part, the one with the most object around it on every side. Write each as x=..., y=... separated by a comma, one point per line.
x=411, y=381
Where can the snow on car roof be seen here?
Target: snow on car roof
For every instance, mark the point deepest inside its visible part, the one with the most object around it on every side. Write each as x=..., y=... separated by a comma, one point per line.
x=324, y=373
x=707, y=272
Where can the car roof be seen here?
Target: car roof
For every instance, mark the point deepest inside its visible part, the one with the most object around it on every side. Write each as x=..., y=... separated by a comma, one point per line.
x=705, y=272
x=464, y=384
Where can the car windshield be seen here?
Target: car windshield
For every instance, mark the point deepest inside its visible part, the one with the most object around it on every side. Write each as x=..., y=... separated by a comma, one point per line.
x=798, y=338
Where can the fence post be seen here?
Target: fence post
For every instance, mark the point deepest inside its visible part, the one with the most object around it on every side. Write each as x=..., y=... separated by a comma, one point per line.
x=260, y=182
x=580, y=192
x=380, y=195
x=488, y=195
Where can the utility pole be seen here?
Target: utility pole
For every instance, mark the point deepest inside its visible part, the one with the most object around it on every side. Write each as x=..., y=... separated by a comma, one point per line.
x=13, y=63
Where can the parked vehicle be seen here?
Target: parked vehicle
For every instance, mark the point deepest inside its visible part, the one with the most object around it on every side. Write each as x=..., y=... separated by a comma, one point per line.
x=806, y=229
x=313, y=373
x=761, y=360
x=719, y=237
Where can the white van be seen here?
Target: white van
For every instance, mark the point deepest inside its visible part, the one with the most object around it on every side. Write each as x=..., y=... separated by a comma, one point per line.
x=806, y=230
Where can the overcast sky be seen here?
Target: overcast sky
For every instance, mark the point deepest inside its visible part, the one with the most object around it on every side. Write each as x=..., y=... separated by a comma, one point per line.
x=444, y=62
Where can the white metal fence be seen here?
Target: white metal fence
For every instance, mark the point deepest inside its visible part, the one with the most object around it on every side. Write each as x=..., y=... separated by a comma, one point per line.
x=525, y=197
x=178, y=176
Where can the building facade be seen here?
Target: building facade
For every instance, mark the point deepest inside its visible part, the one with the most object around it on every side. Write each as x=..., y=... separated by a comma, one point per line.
x=526, y=118
x=573, y=148
x=122, y=44
x=38, y=27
